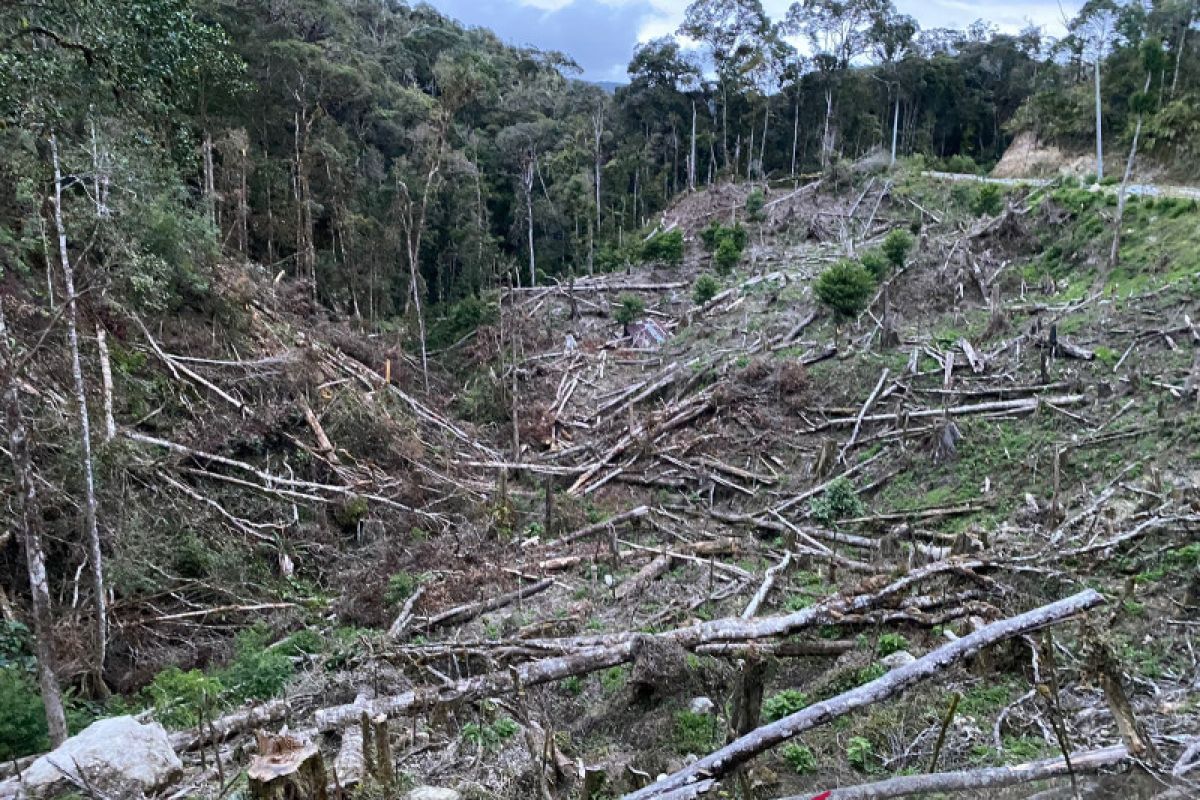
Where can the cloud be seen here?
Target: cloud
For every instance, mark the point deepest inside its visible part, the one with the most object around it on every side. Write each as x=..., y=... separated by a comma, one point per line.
x=601, y=34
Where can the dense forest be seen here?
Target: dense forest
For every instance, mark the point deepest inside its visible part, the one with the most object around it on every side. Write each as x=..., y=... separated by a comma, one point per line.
x=325, y=318
x=394, y=160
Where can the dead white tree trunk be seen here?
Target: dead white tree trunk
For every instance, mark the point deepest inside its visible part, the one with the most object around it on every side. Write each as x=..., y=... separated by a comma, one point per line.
x=692, y=157
x=1115, y=253
x=598, y=134
x=981, y=780
x=741, y=750
x=35, y=557
x=527, y=174
x=1099, y=127
x=110, y=421
x=85, y=433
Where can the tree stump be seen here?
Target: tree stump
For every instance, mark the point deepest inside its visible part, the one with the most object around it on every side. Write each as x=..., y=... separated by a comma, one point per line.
x=286, y=768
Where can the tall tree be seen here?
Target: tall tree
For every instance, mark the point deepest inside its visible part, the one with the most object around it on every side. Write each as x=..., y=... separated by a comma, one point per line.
x=31, y=537
x=1094, y=32
x=735, y=32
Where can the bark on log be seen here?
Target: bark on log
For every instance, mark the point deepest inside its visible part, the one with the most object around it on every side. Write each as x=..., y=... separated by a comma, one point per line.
x=976, y=780
x=603, y=525
x=602, y=651
x=723, y=761
x=1023, y=406
x=240, y=722
x=465, y=613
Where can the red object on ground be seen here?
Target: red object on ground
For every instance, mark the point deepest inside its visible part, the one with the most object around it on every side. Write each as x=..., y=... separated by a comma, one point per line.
x=824, y=796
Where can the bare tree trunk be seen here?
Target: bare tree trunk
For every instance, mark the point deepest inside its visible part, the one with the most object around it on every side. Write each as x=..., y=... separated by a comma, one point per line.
x=93, y=528
x=981, y=780
x=723, y=761
x=1099, y=128
x=598, y=131
x=796, y=133
x=110, y=422
x=895, y=128
x=85, y=433
x=762, y=147
x=35, y=557
x=692, y=157
x=210, y=181
x=1179, y=54
x=826, y=142
x=1115, y=252
x=527, y=185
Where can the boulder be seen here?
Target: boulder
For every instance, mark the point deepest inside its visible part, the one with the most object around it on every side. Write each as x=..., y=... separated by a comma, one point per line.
x=120, y=757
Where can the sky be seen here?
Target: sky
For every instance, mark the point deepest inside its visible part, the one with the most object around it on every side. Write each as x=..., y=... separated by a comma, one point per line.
x=601, y=34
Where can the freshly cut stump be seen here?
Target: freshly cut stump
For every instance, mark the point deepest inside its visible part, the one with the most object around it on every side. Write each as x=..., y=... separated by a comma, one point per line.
x=286, y=768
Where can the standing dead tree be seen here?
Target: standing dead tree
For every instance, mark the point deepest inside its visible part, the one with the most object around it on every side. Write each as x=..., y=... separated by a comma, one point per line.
x=31, y=538
x=85, y=433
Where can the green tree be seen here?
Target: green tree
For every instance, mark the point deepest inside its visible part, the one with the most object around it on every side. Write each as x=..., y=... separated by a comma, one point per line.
x=896, y=246
x=845, y=289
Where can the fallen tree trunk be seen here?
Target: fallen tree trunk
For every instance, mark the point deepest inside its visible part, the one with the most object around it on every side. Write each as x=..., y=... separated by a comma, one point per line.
x=469, y=611
x=603, y=525
x=240, y=722
x=741, y=750
x=1022, y=406
x=975, y=780
x=594, y=653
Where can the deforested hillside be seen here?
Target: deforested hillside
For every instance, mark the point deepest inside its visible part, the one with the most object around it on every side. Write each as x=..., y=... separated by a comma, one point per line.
x=388, y=412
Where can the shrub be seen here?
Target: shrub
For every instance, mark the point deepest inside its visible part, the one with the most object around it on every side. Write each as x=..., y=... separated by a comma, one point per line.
x=258, y=673
x=845, y=289
x=876, y=263
x=860, y=753
x=451, y=323
x=710, y=237
x=727, y=256
x=695, y=733
x=22, y=716
x=705, y=289
x=838, y=501
x=179, y=696
x=490, y=737
x=891, y=643
x=800, y=758
x=896, y=246
x=666, y=247
x=716, y=233
x=989, y=201
x=754, y=206
x=400, y=587
x=784, y=704
x=629, y=308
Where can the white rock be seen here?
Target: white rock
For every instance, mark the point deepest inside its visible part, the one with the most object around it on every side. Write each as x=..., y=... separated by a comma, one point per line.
x=119, y=756
x=898, y=659
x=433, y=793
x=701, y=705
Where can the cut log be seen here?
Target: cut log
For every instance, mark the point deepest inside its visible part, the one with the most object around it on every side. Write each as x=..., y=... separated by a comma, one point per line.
x=722, y=762
x=1022, y=406
x=768, y=581
x=977, y=780
x=230, y=725
x=286, y=768
x=603, y=525
x=592, y=653
x=465, y=613
x=349, y=765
